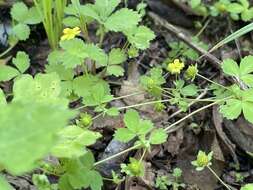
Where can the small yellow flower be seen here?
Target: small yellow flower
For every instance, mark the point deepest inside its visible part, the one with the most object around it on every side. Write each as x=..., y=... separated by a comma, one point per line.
x=175, y=67
x=69, y=33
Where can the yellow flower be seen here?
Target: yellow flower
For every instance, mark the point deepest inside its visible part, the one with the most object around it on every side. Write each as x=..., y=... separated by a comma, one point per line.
x=175, y=67
x=69, y=33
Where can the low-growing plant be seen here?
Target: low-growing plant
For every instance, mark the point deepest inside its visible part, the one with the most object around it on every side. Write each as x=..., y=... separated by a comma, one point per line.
x=42, y=123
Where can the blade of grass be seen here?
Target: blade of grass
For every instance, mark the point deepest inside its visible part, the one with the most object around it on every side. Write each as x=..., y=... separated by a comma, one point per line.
x=233, y=36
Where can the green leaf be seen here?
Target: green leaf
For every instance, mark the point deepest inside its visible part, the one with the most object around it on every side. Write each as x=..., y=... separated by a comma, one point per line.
x=140, y=37
x=19, y=12
x=247, y=187
x=131, y=120
x=195, y=3
x=43, y=89
x=4, y=185
x=115, y=21
x=33, y=16
x=115, y=70
x=232, y=109
x=246, y=65
x=245, y=3
x=22, y=61
x=144, y=127
x=105, y=7
x=74, y=53
x=72, y=142
x=248, y=111
x=71, y=21
x=235, y=8
x=64, y=184
x=247, y=15
x=189, y=90
x=21, y=31
x=96, y=180
x=33, y=128
x=116, y=56
x=7, y=72
x=79, y=179
x=247, y=79
x=97, y=54
x=230, y=67
x=2, y=98
x=158, y=136
x=124, y=135
x=113, y=111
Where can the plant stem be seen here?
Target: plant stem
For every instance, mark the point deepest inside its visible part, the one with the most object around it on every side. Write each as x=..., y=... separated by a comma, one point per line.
x=118, y=154
x=128, y=95
x=8, y=50
x=142, y=104
x=222, y=182
x=212, y=82
x=189, y=115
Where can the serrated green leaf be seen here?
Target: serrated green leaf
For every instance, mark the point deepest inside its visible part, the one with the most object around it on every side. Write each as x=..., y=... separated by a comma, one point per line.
x=96, y=180
x=115, y=70
x=64, y=184
x=33, y=16
x=245, y=3
x=79, y=179
x=105, y=7
x=89, y=10
x=144, y=127
x=19, y=12
x=248, y=111
x=7, y=72
x=189, y=90
x=246, y=65
x=116, y=56
x=34, y=123
x=112, y=111
x=124, y=135
x=72, y=142
x=74, y=54
x=232, y=109
x=21, y=31
x=140, y=37
x=247, y=79
x=115, y=21
x=131, y=120
x=230, y=67
x=22, y=61
x=158, y=136
x=87, y=160
x=2, y=98
x=71, y=21
x=97, y=54
x=247, y=14
x=4, y=185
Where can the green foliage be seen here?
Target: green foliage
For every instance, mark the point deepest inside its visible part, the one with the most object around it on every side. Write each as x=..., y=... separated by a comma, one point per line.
x=72, y=142
x=152, y=81
x=243, y=71
x=135, y=126
x=134, y=168
x=247, y=187
x=203, y=160
x=42, y=183
x=4, y=185
x=23, y=16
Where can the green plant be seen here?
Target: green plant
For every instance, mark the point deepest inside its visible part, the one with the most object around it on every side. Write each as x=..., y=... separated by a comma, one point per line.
x=247, y=187
x=163, y=182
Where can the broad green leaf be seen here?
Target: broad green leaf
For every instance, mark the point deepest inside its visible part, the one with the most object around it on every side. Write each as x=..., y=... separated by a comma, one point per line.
x=33, y=16
x=158, y=136
x=33, y=128
x=195, y=3
x=21, y=31
x=235, y=8
x=144, y=127
x=79, y=179
x=245, y=3
x=95, y=53
x=189, y=90
x=72, y=142
x=7, y=72
x=131, y=120
x=116, y=21
x=124, y=135
x=89, y=10
x=116, y=56
x=246, y=65
x=140, y=37
x=64, y=184
x=22, y=61
x=74, y=53
x=96, y=180
x=232, y=109
x=4, y=185
x=87, y=160
x=115, y=70
x=105, y=7
x=230, y=67
x=113, y=111
x=248, y=111
x=247, y=14
x=71, y=21
x=19, y=12
x=44, y=88
x=2, y=98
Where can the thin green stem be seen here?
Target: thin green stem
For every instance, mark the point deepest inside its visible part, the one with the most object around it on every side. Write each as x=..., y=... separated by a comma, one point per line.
x=212, y=82
x=118, y=154
x=222, y=182
x=145, y=103
x=129, y=95
x=8, y=50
